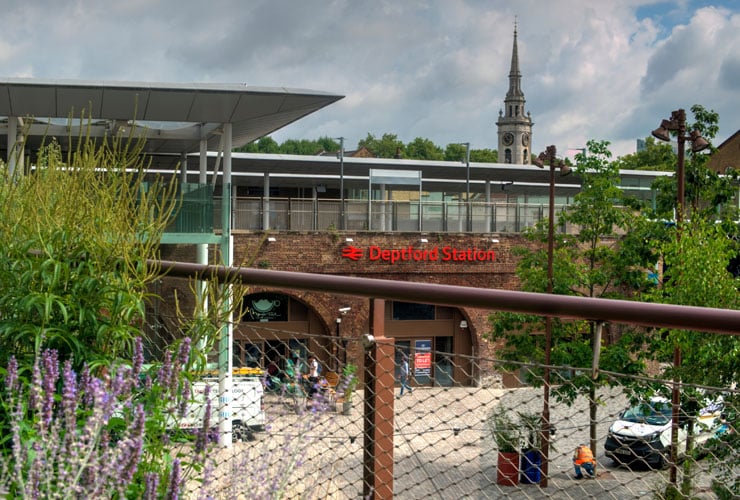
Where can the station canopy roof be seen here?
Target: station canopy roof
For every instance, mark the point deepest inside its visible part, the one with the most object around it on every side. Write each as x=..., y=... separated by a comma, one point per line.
x=174, y=117
x=310, y=171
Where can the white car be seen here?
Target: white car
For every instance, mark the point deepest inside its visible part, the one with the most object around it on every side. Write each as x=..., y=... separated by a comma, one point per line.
x=642, y=434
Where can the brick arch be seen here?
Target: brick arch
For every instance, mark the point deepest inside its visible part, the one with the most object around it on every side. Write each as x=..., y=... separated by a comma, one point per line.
x=298, y=328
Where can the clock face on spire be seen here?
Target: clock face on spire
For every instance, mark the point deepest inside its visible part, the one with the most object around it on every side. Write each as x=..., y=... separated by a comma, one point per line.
x=525, y=139
x=508, y=138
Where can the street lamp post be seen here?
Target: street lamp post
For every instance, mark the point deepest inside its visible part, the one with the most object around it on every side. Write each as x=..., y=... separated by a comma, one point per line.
x=468, y=221
x=468, y=212
x=342, y=224
x=677, y=123
x=549, y=157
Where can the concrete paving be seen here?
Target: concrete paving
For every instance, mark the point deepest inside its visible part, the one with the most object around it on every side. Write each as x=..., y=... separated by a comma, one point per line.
x=443, y=448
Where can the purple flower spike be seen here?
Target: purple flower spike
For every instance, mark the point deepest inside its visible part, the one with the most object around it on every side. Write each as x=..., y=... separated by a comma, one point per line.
x=152, y=483
x=138, y=358
x=184, y=353
x=12, y=377
x=173, y=489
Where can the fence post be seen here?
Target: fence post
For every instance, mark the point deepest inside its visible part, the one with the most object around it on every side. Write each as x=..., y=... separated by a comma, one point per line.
x=379, y=390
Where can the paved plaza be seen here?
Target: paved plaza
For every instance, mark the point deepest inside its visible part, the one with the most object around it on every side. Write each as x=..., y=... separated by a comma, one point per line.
x=443, y=448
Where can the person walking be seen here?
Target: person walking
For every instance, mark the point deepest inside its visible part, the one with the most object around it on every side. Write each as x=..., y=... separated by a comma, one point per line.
x=404, y=375
x=584, y=458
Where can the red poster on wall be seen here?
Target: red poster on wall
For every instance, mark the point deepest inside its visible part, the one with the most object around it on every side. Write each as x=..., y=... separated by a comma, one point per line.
x=423, y=358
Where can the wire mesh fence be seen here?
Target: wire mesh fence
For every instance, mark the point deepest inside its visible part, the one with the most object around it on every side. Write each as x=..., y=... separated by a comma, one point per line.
x=304, y=414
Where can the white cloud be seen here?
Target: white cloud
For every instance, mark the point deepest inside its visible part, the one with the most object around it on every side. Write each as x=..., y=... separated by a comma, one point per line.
x=436, y=69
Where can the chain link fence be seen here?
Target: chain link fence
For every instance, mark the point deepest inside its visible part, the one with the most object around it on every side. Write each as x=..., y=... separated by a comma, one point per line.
x=311, y=435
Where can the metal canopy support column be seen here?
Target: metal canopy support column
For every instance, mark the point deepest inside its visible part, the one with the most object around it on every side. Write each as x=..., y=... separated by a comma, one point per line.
x=225, y=358
x=15, y=146
x=183, y=168
x=201, y=250
x=378, y=426
x=203, y=162
x=489, y=206
x=266, y=198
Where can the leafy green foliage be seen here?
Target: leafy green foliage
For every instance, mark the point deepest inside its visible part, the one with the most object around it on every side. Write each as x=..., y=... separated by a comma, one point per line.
x=657, y=156
x=423, y=149
x=696, y=274
x=589, y=263
x=505, y=432
x=77, y=234
x=386, y=146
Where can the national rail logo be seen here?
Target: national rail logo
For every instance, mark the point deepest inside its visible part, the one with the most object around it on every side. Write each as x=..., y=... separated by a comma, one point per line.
x=434, y=254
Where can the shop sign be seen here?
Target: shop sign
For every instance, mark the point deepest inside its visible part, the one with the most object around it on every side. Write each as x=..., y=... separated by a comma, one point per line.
x=433, y=254
x=265, y=307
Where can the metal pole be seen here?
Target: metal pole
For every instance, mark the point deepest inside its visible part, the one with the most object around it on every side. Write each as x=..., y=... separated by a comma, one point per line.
x=468, y=221
x=342, y=222
x=551, y=153
x=335, y=346
x=680, y=116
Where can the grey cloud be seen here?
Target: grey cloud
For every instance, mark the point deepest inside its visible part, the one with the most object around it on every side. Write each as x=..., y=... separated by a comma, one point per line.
x=729, y=74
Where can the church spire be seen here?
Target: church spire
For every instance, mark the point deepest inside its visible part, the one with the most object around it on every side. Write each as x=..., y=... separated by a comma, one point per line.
x=514, y=125
x=515, y=77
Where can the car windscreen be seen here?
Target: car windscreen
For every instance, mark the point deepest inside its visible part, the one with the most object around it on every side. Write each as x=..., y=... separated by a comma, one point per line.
x=653, y=413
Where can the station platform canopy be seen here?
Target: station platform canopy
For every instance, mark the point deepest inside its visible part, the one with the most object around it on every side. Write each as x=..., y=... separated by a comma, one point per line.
x=173, y=116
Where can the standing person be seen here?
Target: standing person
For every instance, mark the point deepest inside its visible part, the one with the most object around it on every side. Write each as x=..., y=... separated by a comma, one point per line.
x=313, y=375
x=584, y=457
x=405, y=374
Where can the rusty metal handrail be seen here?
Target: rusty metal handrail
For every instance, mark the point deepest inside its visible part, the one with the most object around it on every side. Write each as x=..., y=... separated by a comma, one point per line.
x=706, y=319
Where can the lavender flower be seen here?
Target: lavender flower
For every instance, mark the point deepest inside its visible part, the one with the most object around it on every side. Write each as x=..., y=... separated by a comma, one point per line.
x=175, y=482
x=50, y=375
x=165, y=371
x=138, y=358
x=183, y=353
x=184, y=398
x=151, y=485
x=11, y=379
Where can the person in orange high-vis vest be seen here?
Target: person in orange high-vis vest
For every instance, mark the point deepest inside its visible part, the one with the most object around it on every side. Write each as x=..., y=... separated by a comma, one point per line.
x=584, y=457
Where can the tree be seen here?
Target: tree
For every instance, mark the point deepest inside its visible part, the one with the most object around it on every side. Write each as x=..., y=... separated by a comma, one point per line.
x=484, y=155
x=587, y=263
x=388, y=146
x=328, y=144
x=264, y=145
x=656, y=156
x=302, y=147
x=423, y=149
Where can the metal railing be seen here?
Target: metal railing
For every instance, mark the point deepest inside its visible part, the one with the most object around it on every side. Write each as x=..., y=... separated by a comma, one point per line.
x=297, y=214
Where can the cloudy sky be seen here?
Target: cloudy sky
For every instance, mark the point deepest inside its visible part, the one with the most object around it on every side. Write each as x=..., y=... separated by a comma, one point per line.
x=437, y=69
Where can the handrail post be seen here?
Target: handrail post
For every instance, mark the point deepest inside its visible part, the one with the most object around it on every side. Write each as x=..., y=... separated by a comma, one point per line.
x=378, y=423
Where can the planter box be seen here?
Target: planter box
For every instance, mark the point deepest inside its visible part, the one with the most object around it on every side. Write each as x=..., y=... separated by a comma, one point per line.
x=507, y=470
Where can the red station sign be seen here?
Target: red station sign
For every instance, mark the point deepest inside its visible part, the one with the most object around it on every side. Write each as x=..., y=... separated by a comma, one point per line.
x=433, y=254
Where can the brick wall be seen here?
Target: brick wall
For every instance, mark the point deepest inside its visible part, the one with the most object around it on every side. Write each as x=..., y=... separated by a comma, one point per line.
x=322, y=253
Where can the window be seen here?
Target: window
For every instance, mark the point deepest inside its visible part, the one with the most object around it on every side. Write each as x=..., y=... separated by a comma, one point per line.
x=405, y=311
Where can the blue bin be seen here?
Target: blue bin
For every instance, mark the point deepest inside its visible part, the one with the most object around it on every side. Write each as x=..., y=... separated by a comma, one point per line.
x=530, y=467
